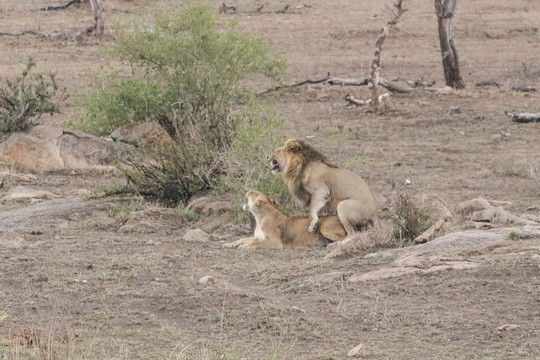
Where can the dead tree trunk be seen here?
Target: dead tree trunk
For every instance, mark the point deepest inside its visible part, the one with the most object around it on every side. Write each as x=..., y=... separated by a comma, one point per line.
x=524, y=117
x=445, y=12
x=97, y=10
x=376, y=61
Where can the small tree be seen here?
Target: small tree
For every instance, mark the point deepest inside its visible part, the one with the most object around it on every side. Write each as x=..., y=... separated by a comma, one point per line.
x=25, y=99
x=187, y=77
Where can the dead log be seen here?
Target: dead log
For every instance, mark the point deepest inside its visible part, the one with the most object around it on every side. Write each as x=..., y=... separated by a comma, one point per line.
x=524, y=117
x=343, y=82
x=487, y=83
x=59, y=35
x=450, y=59
x=525, y=88
x=392, y=87
x=61, y=7
x=374, y=80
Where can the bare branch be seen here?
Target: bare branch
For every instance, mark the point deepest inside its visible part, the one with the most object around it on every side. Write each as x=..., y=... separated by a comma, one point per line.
x=375, y=62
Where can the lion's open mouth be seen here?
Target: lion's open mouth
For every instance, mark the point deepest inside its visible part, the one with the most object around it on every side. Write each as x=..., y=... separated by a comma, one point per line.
x=274, y=165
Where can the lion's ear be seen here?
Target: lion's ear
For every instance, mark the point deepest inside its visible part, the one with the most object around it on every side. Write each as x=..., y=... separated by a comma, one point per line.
x=293, y=146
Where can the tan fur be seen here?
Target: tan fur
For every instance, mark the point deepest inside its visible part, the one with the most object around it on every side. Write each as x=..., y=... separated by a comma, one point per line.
x=315, y=182
x=277, y=231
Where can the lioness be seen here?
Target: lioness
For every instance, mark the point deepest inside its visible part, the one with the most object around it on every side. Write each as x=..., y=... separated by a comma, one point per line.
x=315, y=182
x=276, y=231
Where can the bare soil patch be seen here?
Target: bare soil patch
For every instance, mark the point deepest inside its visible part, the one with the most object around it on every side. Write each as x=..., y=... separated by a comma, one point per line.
x=73, y=285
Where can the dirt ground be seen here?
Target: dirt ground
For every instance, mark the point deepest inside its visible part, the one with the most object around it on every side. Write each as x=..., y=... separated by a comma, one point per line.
x=87, y=290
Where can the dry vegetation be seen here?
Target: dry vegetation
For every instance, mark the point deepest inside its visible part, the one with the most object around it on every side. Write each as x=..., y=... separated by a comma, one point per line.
x=90, y=291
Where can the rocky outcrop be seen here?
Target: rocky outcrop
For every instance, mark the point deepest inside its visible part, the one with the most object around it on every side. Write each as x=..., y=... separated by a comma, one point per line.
x=154, y=220
x=56, y=213
x=452, y=251
x=45, y=148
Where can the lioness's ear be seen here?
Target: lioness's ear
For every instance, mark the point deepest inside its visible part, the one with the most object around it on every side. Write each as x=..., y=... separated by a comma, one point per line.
x=292, y=146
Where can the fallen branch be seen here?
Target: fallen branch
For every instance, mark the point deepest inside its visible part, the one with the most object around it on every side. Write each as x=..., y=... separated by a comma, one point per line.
x=356, y=101
x=526, y=88
x=344, y=82
x=524, y=117
x=393, y=88
x=64, y=34
x=61, y=7
x=382, y=98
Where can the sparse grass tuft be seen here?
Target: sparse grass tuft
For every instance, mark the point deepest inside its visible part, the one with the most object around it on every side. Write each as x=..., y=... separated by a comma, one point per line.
x=521, y=169
x=514, y=235
x=3, y=314
x=123, y=208
x=410, y=219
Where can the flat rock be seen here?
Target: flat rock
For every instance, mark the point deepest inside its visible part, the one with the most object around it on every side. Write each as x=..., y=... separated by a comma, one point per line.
x=85, y=152
x=45, y=148
x=445, y=252
x=150, y=133
x=196, y=235
x=499, y=216
x=31, y=152
x=11, y=240
x=19, y=193
x=153, y=220
x=63, y=213
x=207, y=205
x=473, y=205
x=231, y=231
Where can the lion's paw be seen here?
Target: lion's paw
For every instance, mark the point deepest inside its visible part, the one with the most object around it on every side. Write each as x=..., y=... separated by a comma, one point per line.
x=314, y=227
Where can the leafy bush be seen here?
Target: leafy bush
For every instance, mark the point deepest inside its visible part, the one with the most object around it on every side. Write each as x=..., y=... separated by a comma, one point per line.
x=25, y=99
x=188, y=78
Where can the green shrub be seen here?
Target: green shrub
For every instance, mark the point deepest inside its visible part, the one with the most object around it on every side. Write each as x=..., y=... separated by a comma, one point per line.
x=123, y=102
x=188, y=77
x=25, y=99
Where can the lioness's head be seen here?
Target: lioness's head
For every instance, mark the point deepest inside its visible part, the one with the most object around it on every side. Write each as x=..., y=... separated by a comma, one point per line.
x=294, y=155
x=258, y=202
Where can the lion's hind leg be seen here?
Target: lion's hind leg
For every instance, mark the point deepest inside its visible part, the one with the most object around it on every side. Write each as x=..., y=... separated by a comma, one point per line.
x=353, y=216
x=268, y=242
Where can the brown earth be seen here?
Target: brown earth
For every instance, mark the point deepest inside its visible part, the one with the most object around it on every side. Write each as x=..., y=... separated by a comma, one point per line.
x=74, y=285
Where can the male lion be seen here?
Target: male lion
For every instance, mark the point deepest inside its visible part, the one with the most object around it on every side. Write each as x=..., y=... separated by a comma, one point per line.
x=277, y=231
x=313, y=180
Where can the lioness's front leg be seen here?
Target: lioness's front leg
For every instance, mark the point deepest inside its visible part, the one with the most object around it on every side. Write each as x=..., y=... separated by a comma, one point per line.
x=318, y=201
x=239, y=243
